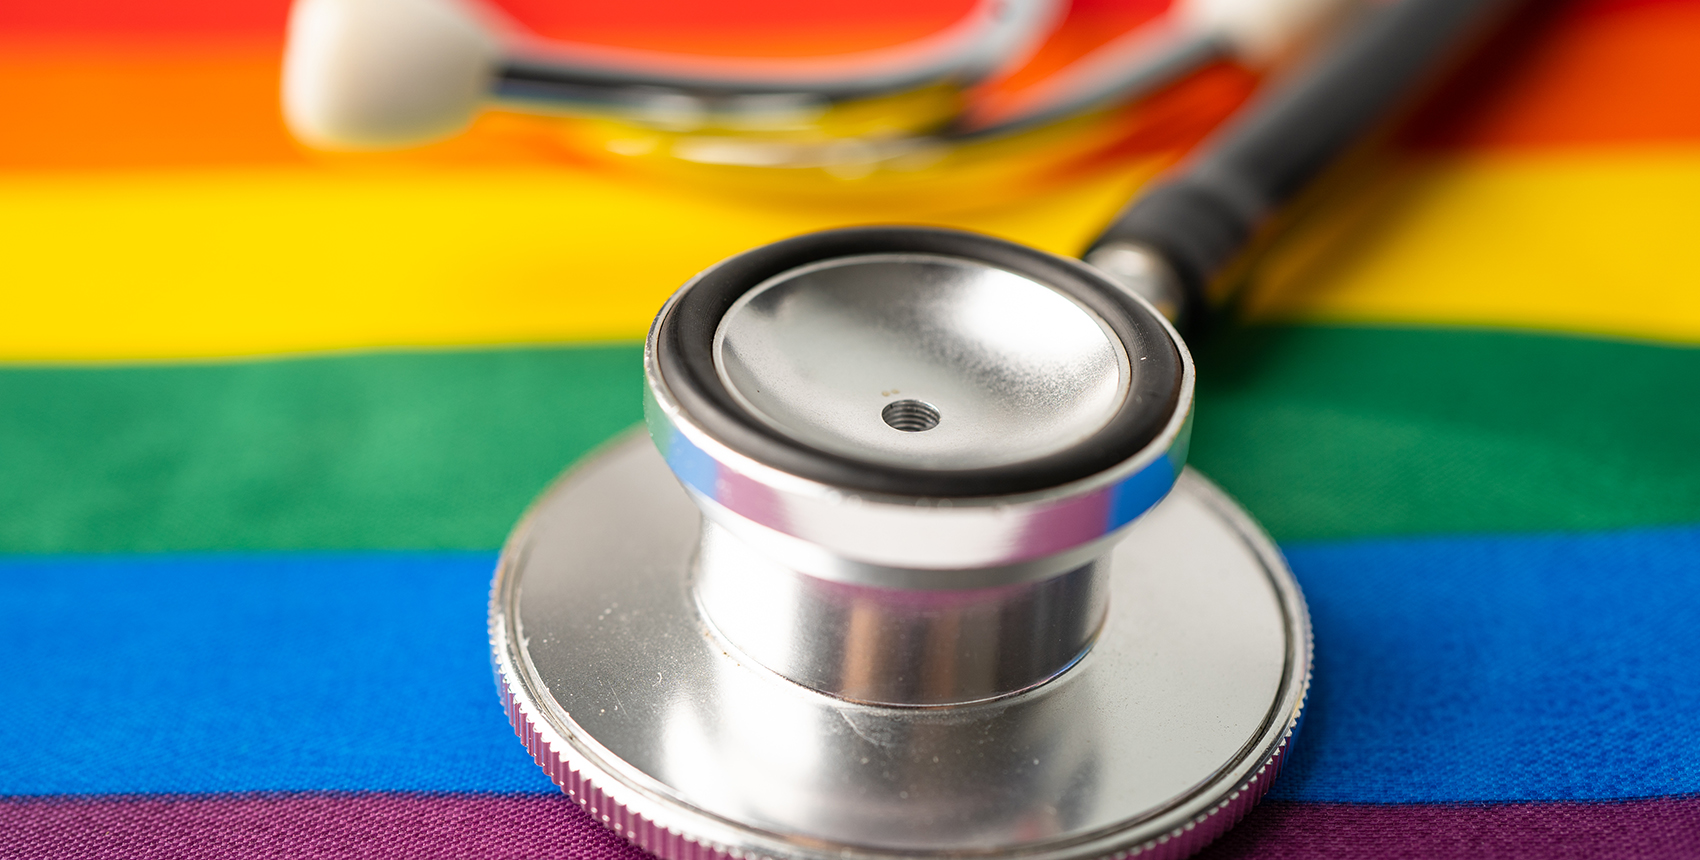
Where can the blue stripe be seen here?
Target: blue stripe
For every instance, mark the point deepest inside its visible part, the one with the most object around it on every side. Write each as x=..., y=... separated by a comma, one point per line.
x=1553, y=667
x=1461, y=669
x=250, y=673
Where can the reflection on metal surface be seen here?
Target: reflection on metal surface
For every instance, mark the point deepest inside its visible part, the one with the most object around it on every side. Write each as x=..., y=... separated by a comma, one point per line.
x=892, y=645
x=1160, y=737
x=1002, y=370
x=1142, y=271
x=887, y=591
x=818, y=352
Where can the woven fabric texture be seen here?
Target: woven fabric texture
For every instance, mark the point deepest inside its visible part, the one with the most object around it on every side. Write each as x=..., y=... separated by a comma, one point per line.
x=267, y=414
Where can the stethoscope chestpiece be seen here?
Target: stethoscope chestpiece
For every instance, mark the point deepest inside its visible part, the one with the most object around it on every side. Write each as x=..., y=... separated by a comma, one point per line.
x=917, y=572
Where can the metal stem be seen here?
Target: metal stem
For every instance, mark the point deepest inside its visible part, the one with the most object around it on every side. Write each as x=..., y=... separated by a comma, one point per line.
x=897, y=646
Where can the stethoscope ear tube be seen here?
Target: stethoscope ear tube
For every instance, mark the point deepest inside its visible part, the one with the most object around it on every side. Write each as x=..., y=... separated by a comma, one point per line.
x=1205, y=215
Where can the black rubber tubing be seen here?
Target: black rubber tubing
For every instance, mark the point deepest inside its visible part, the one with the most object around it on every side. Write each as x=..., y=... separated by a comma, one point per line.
x=1207, y=212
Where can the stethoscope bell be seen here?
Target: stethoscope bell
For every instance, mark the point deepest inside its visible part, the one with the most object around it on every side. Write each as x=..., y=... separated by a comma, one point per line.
x=917, y=571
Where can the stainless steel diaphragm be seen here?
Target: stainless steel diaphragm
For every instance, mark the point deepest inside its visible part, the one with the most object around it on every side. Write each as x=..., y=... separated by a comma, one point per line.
x=913, y=568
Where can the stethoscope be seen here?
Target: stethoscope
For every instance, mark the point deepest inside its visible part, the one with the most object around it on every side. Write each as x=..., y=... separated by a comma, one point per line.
x=910, y=564
x=385, y=73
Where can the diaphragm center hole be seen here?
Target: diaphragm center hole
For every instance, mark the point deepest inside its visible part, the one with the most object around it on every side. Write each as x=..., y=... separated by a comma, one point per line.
x=910, y=416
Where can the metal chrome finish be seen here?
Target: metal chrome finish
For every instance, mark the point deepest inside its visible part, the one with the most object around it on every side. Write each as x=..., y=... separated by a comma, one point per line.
x=1140, y=62
x=682, y=92
x=820, y=351
x=892, y=645
x=1168, y=729
x=845, y=673
x=1143, y=271
x=1015, y=369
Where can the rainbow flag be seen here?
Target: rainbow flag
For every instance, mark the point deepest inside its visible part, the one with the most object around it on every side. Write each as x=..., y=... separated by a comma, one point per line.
x=266, y=415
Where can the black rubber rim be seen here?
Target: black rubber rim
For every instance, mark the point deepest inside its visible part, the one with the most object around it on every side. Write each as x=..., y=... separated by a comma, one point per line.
x=684, y=355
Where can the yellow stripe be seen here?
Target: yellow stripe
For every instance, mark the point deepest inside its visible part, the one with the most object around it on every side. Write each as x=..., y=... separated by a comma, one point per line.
x=1597, y=243
x=208, y=264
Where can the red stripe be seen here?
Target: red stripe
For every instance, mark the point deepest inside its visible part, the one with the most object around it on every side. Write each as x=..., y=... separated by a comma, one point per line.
x=648, y=23
x=420, y=827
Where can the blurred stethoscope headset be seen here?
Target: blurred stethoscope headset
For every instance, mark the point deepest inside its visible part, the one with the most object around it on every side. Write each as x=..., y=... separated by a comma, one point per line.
x=364, y=74
x=914, y=567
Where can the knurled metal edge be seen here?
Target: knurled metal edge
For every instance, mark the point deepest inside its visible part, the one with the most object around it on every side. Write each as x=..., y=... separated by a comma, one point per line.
x=1201, y=830
x=612, y=814
x=1191, y=838
x=1181, y=842
x=535, y=732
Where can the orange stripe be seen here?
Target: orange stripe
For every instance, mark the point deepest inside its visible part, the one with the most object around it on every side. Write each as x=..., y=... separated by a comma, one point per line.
x=1627, y=73
x=118, y=106
x=1606, y=73
x=199, y=103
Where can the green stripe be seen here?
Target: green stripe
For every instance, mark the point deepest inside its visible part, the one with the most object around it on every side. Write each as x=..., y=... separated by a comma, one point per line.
x=1339, y=432
x=1322, y=432
x=430, y=450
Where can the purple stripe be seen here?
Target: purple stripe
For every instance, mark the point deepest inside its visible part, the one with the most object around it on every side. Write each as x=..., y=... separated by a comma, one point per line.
x=500, y=826
x=1655, y=829
x=303, y=826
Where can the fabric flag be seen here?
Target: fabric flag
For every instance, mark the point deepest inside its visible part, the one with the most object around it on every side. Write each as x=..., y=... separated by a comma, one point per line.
x=266, y=416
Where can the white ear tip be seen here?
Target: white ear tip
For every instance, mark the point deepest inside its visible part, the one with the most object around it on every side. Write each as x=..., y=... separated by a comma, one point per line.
x=362, y=74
